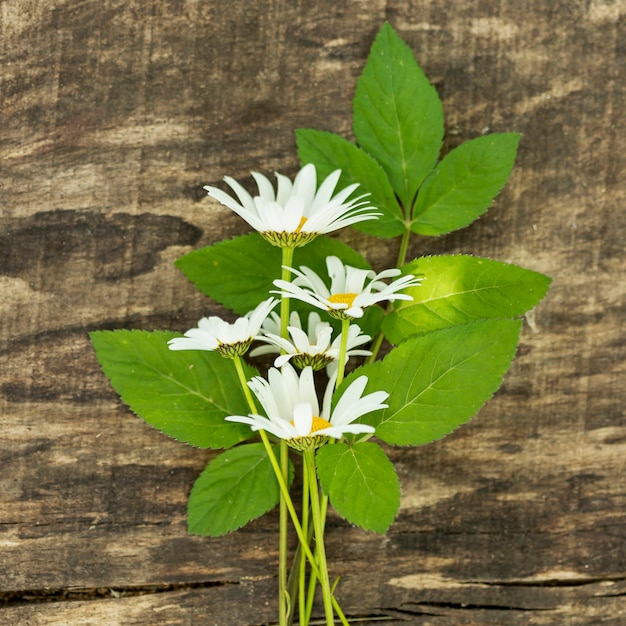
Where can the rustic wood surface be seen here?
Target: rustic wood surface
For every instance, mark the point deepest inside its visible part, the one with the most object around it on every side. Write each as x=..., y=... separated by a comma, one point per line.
x=114, y=114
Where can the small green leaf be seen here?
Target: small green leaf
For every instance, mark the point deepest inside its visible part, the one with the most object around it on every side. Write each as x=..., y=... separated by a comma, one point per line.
x=439, y=380
x=398, y=117
x=236, y=487
x=185, y=394
x=331, y=152
x=361, y=484
x=464, y=184
x=460, y=289
x=239, y=272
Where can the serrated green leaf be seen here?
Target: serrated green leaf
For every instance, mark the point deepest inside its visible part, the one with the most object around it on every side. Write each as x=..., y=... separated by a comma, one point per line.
x=239, y=272
x=185, y=394
x=330, y=152
x=398, y=117
x=361, y=484
x=236, y=487
x=464, y=184
x=460, y=289
x=439, y=380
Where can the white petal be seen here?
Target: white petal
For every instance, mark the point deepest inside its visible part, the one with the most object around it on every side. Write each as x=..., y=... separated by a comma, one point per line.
x=307, y=389
x=284, y=189
x=293, y=214
x=303, y=419
x=244, y=197
x=283, y=359
x=300, y=339
x=247, y=214
x=289, y=290
x=304, y=185
x=266, y=189
x=325, y=191
x=263, y=350
x=338, y=431
x=336, y=271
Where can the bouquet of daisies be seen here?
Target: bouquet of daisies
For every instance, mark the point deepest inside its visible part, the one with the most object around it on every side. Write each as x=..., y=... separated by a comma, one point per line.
x=450, y=326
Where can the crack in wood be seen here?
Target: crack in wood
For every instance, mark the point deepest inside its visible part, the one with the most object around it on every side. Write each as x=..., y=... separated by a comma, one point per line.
x=72, y=594
x=549, y=582
x=466, y=606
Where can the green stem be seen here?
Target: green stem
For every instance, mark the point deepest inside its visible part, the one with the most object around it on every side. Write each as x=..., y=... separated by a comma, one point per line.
x=309, y=459
x=341, y=365
x=404, y=247
x=285, y=274
x=282, y=484
x=244, y=383
x=283, y=518
x=303, y=612
x=283, y=523
x=283, y=605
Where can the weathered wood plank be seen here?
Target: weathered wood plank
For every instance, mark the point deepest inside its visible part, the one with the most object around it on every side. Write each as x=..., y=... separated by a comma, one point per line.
x=114, y=115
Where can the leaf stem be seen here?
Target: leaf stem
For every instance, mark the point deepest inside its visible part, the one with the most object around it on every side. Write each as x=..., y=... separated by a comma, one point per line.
x=404, y=247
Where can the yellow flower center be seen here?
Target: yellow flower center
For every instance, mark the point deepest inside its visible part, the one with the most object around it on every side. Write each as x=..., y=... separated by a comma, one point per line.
x=301, y=224
x=318, y=423
x=343, y=298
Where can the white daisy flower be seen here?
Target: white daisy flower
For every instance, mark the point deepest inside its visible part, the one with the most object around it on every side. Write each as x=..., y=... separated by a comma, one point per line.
x=292, y=408
x=295, y=213
x=308, y=349
x=352, y=289
x=230, y=340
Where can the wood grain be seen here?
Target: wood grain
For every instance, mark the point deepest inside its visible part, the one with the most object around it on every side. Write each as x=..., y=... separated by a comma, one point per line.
x=114, y=115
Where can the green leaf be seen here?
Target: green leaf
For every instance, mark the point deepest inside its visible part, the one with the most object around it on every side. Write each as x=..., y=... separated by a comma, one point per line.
x=361, y=484
x=398, y=117
x=236, y=487
x=464, y=184
x=329, y=152
x=239, y=272
x=439, y=380
x=185, y=394
x=460, y=289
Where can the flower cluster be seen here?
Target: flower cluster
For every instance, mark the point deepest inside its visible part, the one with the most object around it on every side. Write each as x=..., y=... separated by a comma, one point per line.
x=289, y=217
x=290, y=409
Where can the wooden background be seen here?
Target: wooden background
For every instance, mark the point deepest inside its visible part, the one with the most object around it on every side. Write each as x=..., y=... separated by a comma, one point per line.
x=114, y=114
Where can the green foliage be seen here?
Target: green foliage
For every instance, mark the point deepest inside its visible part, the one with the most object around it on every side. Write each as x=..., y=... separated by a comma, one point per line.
x=185, y=394
x=439, y=380
x=464, y=184
x=398, y=117
x=330, y=152
x=398, y=125
x=236, y=487
x=361, y=484
x=460, y=289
